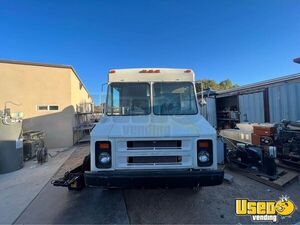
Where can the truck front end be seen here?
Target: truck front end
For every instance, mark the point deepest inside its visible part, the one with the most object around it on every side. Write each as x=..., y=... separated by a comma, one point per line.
x=152, y=134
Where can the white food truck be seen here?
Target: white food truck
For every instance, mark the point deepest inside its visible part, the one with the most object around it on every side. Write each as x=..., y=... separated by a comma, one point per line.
x=152, y=133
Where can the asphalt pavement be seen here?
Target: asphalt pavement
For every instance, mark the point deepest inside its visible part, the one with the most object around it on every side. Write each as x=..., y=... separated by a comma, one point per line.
x=212, y=205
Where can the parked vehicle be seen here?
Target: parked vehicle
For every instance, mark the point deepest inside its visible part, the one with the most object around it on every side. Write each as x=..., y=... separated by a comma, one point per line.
x=152, y=133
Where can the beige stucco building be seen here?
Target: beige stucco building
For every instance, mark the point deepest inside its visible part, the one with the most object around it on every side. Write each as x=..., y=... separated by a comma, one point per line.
x=51, y=98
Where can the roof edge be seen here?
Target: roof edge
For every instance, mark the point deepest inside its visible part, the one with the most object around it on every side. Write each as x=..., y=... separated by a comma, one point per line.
x=34, y=63
x=153, y=68
x=261, y=83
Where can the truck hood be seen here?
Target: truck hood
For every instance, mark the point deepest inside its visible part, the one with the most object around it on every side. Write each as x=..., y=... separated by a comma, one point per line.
x=152, y=127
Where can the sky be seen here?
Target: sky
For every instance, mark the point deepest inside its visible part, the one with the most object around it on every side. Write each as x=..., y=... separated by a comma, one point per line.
x=242, y=40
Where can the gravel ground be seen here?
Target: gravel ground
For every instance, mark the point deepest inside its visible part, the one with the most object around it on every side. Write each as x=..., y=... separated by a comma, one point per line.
x=212, y=205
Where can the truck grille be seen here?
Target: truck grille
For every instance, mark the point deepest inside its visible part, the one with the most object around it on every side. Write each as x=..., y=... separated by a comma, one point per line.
x=152, y=145
x=154, y=159
x=154, y=153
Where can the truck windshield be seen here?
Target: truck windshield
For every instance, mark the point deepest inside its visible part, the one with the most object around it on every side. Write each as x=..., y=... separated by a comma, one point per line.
x=174, y=98
x=128, y=99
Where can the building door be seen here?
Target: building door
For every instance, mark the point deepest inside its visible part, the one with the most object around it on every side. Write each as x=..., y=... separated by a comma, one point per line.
x=284, y=102
x=251, y=107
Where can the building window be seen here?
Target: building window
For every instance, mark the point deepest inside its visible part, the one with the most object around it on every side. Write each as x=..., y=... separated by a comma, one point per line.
x=42, y=107
x=53, y=107
x=47, y=107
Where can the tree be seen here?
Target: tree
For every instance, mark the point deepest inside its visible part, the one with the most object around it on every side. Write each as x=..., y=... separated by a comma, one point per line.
x=223, y=85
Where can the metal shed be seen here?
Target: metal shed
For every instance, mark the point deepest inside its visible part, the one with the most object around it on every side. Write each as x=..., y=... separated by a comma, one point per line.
x=266, y=101
x=209, y=110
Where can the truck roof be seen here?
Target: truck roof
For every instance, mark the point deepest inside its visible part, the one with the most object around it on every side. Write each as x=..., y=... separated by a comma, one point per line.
x=150, y=75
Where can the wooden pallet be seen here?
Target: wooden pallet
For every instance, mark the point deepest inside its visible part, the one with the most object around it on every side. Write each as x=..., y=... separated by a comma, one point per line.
x=283, y=165
x=284, y=177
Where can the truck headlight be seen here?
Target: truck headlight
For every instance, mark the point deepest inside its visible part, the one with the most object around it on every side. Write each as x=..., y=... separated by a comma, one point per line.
x=204, y=153
x=103, y=154
x=203, y=156
x=104, y=158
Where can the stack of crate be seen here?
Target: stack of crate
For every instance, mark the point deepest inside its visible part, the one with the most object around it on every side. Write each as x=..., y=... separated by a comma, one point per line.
x=263, y=134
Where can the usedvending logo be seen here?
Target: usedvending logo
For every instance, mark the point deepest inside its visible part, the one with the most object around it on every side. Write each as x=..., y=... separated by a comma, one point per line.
x=265, y=211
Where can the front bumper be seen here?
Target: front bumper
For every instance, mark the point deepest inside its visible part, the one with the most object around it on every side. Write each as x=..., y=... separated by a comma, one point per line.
x=154, y=178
